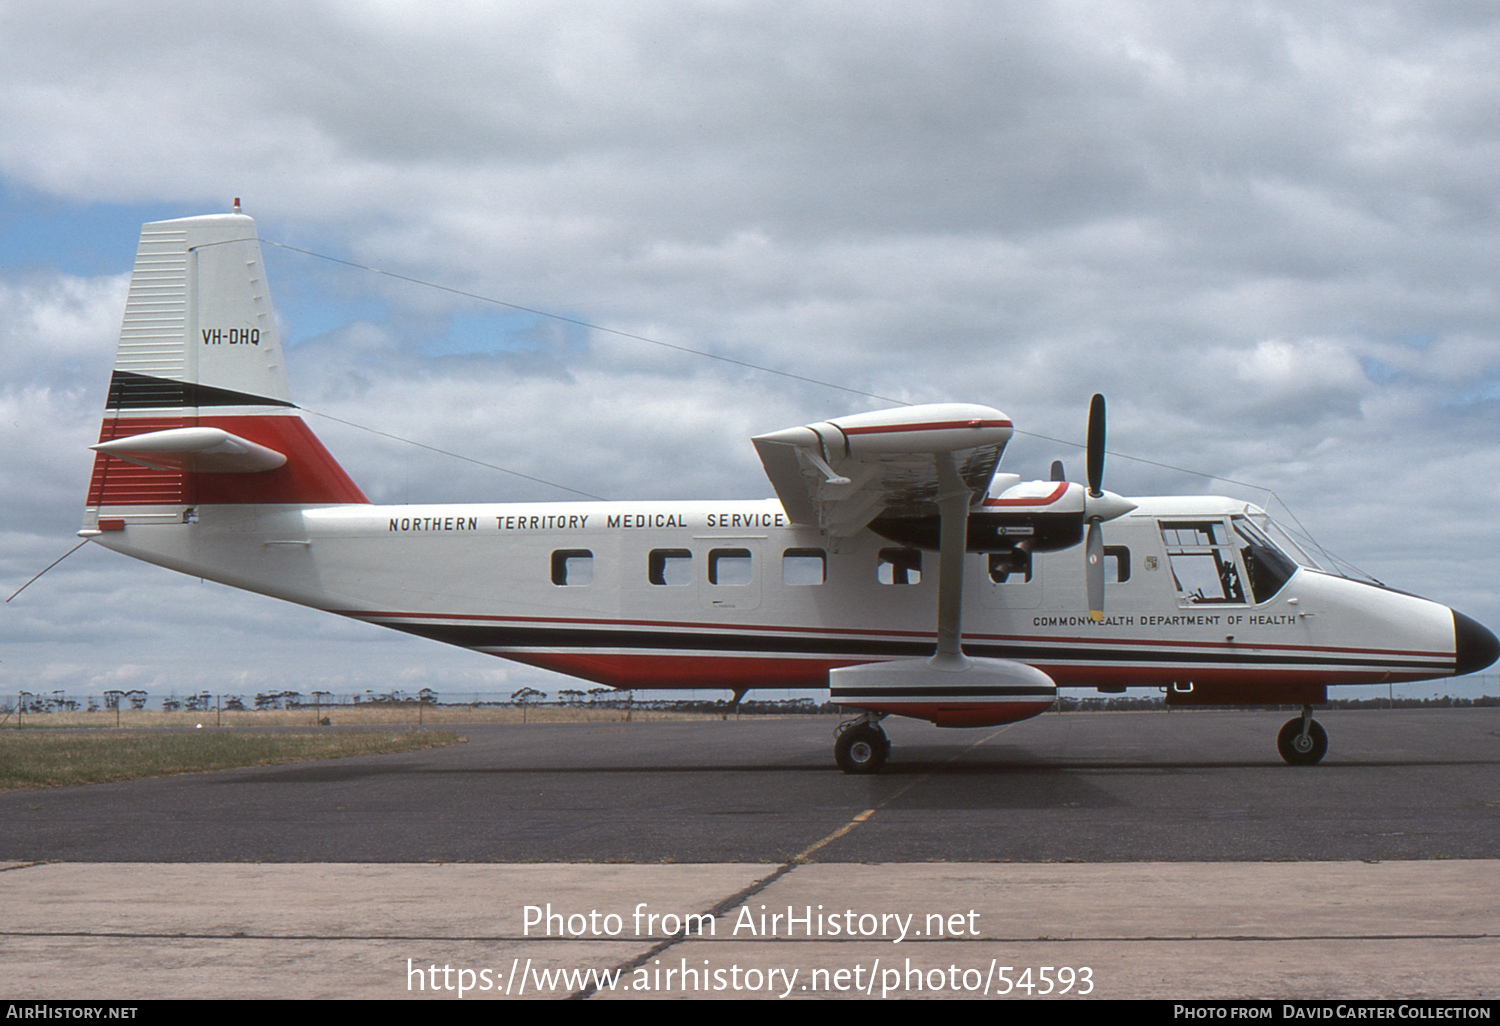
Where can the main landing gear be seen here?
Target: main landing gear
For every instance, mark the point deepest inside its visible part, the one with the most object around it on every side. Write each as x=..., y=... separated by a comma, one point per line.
x=862, y=746
x=1302, y=740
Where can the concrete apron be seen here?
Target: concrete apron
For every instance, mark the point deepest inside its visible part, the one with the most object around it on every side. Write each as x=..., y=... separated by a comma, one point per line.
x=1314, y=930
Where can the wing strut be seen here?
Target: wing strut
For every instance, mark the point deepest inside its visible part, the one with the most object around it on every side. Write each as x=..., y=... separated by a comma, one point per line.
x=839, y=475
x=953, y=508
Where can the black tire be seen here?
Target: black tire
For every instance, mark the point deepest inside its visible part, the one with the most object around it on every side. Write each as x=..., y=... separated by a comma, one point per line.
x=1299, y=750
x=861, y=749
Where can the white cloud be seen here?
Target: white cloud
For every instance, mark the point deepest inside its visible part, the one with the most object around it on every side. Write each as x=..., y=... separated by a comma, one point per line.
x=51, y=321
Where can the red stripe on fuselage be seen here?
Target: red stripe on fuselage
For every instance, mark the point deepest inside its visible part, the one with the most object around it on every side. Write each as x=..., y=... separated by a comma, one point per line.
x=1125, y=645
x=661, y=671
x=631, y=671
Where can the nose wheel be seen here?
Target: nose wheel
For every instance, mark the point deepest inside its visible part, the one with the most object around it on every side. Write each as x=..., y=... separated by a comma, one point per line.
x=1302, y=741
x=861, y=747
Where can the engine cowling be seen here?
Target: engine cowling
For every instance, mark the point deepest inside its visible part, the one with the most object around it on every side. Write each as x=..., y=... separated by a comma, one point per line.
x=1037, y=516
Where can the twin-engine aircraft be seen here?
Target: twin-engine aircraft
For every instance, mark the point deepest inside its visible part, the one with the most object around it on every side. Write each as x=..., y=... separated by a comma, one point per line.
x=896, y=568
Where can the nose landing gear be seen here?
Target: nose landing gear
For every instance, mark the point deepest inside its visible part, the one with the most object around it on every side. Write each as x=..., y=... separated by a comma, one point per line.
x=1302, y=740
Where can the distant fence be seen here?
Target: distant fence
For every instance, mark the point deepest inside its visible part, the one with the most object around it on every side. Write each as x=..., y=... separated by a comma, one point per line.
x=29, y=703
x=59, y=701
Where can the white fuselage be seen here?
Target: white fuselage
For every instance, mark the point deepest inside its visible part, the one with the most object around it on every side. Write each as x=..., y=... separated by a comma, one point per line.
x=730, y=594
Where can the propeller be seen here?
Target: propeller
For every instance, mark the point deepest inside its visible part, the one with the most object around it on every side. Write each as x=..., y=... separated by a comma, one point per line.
x=1096, y=445
x=1094, y=542
x=1098, y=506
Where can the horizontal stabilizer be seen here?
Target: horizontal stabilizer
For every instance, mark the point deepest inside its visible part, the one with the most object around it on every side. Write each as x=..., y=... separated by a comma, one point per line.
x=203, y=450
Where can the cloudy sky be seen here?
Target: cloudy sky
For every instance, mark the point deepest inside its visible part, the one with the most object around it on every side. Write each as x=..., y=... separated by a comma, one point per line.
x=1267, y=231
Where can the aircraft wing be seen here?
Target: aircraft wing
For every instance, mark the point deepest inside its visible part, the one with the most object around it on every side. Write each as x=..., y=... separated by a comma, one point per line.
x=840, y=474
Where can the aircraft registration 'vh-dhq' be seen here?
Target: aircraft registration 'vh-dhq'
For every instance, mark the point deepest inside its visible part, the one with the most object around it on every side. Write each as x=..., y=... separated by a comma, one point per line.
x=896, y=568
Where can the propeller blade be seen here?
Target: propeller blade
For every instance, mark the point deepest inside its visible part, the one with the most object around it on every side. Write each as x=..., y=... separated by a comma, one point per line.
x=1096, y=444
x=1094, y=570
x=1058, y=473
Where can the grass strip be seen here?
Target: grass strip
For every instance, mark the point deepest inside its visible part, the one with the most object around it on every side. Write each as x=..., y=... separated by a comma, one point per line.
x=57, y=758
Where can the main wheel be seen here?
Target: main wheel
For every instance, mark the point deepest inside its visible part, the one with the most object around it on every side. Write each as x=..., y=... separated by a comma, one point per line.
x=1302, y=749
x=861, y=749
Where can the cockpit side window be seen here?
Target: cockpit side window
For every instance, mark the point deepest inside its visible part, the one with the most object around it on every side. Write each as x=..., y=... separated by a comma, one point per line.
x=1267, y=566
x=1202, y=560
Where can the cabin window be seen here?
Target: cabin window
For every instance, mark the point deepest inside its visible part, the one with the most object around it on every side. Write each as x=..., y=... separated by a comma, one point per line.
x=730, y=567
x=1202, y=560
x=572, y=567
x=670, y=567
x=900, y=566
x=800, y=567
x=1013, y=567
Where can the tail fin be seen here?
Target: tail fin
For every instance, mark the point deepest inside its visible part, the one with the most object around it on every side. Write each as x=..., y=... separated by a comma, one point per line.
x=199, y=411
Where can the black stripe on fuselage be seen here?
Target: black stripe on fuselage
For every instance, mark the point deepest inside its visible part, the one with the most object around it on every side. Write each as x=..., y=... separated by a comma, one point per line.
x=496, y=636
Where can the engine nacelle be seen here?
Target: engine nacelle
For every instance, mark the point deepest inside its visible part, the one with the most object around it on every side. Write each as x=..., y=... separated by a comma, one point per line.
x=1034, y=516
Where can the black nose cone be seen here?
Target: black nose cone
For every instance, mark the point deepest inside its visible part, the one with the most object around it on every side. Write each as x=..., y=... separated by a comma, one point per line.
x=1474, y=647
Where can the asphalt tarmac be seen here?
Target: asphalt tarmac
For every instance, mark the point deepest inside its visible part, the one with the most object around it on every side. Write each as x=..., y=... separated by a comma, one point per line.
x=1173, y=855
x=1096, y=787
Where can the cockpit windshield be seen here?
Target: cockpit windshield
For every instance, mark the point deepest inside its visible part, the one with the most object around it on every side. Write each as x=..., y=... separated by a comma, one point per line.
x=1279, y=539
x=1268, y=565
